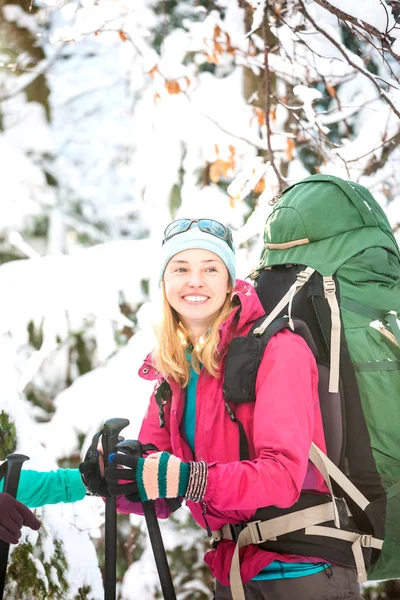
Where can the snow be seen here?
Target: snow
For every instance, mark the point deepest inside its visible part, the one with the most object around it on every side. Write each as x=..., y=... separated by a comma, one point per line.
x=117, y=146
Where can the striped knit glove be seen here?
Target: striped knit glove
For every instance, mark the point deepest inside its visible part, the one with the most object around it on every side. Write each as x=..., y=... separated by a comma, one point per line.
x=160, y=475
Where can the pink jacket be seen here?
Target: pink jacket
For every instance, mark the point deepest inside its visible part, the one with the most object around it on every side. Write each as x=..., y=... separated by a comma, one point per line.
x=279, y=426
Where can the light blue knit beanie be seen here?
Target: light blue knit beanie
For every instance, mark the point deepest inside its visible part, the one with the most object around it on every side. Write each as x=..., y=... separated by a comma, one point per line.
x=195, y=238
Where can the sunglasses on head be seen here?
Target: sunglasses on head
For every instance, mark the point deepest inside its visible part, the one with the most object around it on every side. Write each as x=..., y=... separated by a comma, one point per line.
x=206, y=225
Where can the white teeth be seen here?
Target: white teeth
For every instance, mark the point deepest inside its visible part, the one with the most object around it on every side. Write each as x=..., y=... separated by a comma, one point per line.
x=195, y=298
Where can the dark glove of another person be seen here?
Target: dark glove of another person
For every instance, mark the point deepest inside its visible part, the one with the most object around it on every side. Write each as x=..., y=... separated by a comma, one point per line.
x=90, y=470
x=13, y=516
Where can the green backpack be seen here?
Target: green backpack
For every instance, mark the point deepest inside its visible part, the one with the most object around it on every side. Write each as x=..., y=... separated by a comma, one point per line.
x=330, y=259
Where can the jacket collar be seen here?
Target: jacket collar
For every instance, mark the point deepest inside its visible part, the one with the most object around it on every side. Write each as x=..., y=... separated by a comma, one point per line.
x=247, y=311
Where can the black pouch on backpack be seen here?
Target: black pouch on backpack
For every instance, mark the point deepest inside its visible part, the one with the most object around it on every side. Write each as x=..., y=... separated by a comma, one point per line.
x=243, y=359
x=241, y=365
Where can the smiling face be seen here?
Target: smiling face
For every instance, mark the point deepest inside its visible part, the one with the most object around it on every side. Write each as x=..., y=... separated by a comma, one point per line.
x=196, y=285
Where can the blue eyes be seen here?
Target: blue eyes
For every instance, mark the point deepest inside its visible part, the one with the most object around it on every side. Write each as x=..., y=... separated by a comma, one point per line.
x=186, y=270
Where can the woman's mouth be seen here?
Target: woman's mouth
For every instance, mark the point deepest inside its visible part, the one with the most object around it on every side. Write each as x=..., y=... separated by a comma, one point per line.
x=195, y=299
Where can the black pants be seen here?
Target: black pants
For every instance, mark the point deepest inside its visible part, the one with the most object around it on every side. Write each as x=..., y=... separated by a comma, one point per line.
x=335, y=583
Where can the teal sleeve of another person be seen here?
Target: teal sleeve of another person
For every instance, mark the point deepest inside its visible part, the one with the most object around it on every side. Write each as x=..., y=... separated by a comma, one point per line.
x=37, y=488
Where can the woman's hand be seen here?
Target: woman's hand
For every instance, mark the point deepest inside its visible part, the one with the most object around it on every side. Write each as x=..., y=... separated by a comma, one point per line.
x=160, y=475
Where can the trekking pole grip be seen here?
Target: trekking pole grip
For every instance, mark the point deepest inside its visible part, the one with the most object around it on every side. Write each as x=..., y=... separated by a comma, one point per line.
x=111, y=430
x=11, y=480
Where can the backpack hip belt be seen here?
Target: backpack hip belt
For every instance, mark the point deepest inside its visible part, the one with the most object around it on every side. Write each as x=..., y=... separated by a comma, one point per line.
x=294, y=532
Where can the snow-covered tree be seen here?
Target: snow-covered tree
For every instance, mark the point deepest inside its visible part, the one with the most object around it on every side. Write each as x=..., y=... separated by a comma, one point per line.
x=116, y=116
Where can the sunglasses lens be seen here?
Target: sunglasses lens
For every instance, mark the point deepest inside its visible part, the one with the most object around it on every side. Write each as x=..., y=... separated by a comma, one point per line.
x=176, y=227
x=213, y=227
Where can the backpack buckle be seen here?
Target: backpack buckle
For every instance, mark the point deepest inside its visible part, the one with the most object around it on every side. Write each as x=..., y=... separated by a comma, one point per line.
x=255, y=532
x=366, y=541
x=329, y=286
x=303, y=277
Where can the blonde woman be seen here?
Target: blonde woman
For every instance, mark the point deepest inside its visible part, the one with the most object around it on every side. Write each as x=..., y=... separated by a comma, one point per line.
x=197, y=432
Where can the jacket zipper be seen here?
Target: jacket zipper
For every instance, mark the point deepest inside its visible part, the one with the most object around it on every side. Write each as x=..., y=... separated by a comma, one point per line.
x=203, y=512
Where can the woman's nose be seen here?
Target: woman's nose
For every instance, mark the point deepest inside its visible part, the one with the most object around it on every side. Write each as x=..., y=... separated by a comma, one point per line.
x=196, y=279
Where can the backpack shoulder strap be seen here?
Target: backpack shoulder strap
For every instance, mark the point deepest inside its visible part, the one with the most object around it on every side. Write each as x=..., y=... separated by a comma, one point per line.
x=245, y=353
x=243, y=360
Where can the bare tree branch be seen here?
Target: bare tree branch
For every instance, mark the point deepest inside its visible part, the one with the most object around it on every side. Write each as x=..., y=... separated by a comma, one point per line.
x=42, y=68
x=388, y=147
x=267, y=82
x=340, y=14
x=361, y=70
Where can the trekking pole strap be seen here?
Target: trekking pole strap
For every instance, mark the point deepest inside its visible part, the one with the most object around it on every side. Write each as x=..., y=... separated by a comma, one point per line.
x=391, y=319
x=302, y=278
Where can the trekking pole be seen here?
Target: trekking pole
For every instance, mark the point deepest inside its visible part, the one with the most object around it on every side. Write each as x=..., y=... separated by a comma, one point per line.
x=157, y=545
x=11, y=480
x=135, y=448
x=111, y=431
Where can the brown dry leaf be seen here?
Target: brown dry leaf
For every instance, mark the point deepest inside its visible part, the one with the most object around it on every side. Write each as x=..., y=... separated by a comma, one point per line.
x=187, y=80
x=153, y=71
x=331, y=91
x=172, y=86
x=229, y=48
x=260, y=115
x=215, y=170
x=217, y=32
x=123, y=36
x=260, y=187
x=272, y=114
x=217, y=47
x=290, y=146
x=232, y=151
x=220, y=168
x=96, y=32
x=216, y=148
x=212, y=58
x=156, y=97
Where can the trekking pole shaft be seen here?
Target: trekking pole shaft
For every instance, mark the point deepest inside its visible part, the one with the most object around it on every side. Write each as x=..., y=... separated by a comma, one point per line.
x=112, y=428
x=160, y=556
x=11, y=480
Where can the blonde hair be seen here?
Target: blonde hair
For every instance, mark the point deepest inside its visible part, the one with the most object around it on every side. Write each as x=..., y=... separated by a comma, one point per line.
x=173, y=342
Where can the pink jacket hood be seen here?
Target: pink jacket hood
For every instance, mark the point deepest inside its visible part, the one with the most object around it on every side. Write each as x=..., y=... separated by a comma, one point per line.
x=279, y=426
